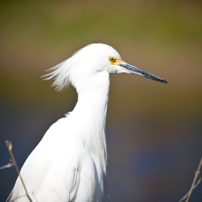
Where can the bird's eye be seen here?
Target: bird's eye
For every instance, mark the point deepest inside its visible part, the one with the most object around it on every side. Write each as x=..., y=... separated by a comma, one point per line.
x=112, y=60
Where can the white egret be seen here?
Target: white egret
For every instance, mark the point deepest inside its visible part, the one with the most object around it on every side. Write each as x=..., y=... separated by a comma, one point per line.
x=69, y=163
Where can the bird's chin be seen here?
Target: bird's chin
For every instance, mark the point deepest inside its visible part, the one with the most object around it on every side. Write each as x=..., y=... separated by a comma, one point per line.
x=119, y=71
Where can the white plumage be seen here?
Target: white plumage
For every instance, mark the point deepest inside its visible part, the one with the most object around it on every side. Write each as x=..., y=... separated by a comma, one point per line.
x=69, y=163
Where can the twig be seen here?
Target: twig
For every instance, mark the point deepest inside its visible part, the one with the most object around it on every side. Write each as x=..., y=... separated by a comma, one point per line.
x=194, y=183
x=17, y=198
x=9, y=146
x=7, y=165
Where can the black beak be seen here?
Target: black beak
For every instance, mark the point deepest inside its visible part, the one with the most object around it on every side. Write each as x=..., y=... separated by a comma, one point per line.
x=135, y=70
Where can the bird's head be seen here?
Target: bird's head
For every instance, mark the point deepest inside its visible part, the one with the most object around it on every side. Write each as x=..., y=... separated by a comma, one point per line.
x=92, y=59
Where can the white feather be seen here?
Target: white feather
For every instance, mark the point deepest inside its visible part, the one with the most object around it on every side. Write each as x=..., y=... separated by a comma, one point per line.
x=70, y=161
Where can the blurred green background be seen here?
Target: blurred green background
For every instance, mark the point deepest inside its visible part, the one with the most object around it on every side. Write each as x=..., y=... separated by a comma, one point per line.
x=154, y=131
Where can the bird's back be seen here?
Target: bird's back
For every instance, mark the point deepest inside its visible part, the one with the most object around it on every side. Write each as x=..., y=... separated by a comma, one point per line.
x=60, y=169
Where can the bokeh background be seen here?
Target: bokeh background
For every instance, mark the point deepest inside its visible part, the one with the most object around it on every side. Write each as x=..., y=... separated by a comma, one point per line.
x=154, y=130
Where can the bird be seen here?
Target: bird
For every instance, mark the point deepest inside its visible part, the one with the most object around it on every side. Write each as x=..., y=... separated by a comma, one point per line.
x=69, y=163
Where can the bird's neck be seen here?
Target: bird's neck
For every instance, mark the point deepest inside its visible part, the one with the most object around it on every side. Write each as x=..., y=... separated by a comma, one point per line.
x=90, y=112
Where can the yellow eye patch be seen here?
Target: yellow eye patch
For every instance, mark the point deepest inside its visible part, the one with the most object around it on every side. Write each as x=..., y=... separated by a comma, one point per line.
x=112, y=60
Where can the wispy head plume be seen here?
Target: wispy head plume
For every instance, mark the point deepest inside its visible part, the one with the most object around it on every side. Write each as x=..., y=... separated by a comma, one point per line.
x=60, y=73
